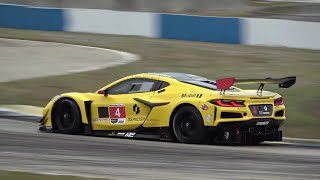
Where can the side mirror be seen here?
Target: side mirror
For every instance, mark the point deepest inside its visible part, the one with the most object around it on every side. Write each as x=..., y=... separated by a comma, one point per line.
x=104, y=92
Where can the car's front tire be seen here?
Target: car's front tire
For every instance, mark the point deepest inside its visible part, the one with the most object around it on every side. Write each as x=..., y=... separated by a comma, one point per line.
x=68, y=117
x=188, y=125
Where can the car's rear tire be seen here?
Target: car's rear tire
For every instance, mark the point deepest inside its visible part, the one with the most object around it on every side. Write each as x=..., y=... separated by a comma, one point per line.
x=68, y=117
x=188, y=125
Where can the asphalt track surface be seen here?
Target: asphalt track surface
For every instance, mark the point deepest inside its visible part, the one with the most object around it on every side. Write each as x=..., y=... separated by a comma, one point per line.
x=24, y=148
x=23, y=59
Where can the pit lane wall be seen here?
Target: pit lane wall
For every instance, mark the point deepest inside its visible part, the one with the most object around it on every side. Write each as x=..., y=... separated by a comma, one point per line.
x=250, y=31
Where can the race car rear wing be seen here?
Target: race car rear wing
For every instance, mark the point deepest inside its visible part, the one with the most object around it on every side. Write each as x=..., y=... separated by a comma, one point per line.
x=225, y=84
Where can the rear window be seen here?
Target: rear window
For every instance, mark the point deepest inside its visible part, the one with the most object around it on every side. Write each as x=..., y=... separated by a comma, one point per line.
x=208, y=84
x=142, y=87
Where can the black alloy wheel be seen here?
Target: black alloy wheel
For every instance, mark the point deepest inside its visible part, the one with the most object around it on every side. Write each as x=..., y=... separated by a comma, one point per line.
x=68, y=117
x=188, y=125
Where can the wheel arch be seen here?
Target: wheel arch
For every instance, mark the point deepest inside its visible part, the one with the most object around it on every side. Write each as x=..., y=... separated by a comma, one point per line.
x=54, y=108
x=81, y=105
x=175, y=110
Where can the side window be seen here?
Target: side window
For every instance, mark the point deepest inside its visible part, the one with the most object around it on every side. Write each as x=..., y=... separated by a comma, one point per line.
x=163, y=85
x=136, y=85
x=122, y=87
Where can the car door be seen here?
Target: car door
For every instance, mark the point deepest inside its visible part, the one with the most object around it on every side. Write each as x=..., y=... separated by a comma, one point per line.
x=119, y=110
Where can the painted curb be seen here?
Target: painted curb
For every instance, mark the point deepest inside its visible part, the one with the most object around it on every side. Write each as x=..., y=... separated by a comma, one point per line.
x=21, y=110
x=22, y=113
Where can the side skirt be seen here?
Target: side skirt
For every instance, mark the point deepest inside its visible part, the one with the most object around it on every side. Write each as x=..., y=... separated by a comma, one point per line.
x=142, y=133
x=162, y=134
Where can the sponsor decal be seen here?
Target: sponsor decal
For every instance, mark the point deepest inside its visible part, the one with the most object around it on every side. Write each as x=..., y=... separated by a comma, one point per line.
x=130, y=134
x=136, y=118
x=101, y=120
x=204, y=107
x=118, y=121
x=114, y=121
x=117, y=113
x=262, y=123
x=226, y=135
x=261, y=110
x=136, y=109
x=208, y=118
x=126, y=134
x=254, y=110
x=192, y=95
x=264, y=113
x=265, y=108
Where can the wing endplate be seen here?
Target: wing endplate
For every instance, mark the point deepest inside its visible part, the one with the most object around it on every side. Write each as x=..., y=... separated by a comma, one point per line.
x=224, y=84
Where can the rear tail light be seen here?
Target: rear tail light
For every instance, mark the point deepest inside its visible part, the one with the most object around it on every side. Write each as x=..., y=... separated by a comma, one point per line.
x=278, y=101
x=228, y=103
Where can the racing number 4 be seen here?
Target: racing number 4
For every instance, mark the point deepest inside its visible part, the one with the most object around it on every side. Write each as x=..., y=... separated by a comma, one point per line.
x=117, y=111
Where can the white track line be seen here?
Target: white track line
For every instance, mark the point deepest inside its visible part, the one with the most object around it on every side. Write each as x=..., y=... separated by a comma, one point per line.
x=302, y=139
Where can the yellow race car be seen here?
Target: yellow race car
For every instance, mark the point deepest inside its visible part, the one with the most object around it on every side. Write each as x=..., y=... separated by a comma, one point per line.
x=176, y=106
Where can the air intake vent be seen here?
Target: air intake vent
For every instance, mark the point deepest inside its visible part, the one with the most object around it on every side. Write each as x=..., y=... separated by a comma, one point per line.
x=231, y=115
x=279, y=113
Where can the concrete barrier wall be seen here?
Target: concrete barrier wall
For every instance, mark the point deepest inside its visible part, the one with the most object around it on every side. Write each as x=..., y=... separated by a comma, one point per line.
x=111, y=22
x=20, y=17
x=275, y=32
x=250, y=31
x=200, y=28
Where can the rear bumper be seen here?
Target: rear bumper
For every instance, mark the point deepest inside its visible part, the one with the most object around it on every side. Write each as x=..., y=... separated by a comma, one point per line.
x=251, y=138
x=248, y=132
x=245, y=114
x=257, y=122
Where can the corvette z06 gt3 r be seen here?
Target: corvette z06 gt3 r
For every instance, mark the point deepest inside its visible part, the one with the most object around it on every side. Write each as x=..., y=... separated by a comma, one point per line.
x=176, y=106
